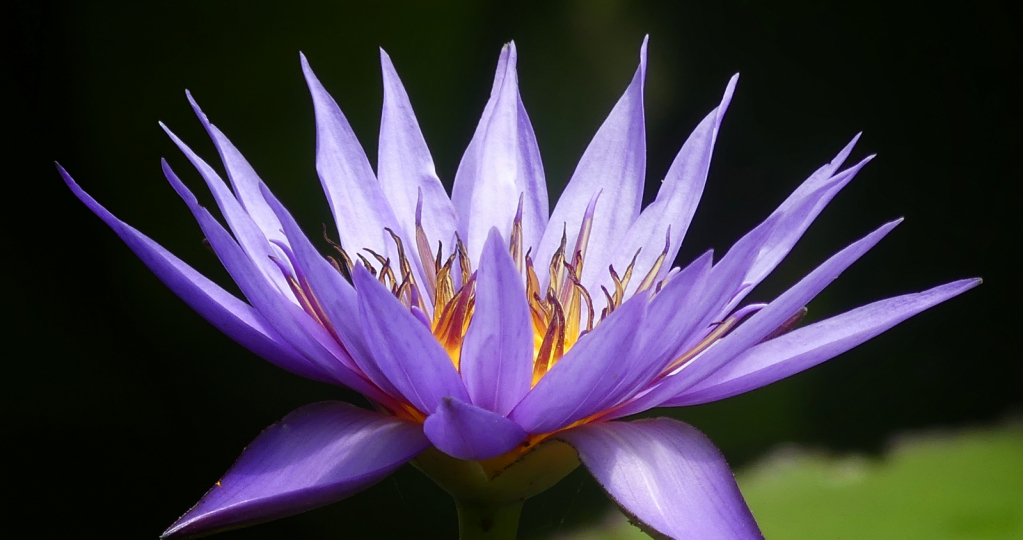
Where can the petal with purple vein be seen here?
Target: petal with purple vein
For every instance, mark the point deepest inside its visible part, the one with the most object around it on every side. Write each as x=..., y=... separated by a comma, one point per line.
x=757, y=327
x=405, y=350
x=465, y=431
x=230, y=315
x=497, y=353
x=676, y=201
x=360, y=209
x=289, y=320
x=406, y=169
x=667, y=476
x=316, y=455
x=614, y=164
x=806, y=347
x=244, y=179
x=248, y=233
x=506, y=165
x=594, y=374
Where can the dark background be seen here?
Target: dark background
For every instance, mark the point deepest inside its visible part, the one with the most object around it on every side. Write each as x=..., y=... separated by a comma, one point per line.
x=121, y=406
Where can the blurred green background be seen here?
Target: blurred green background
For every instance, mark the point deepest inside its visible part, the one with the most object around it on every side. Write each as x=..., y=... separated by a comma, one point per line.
x=121, y=406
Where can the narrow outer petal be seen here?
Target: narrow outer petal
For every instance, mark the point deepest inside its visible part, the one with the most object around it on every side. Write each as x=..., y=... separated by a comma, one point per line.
x=811, y=345
x=676, y=201
x=595, y=373
x=794, y=216
x=614, y=164
x=243, y=178
x=667, y=476
x=406, y=169
x=245, y=230
x=223, y=310
x=468, y=432
x=290, y=321
x=497, y=352
x=757, y=327
x=405, y=350
x=465, y=176
x=506, y=166
x=360, y=209
x=335, y=297
x=316, y=455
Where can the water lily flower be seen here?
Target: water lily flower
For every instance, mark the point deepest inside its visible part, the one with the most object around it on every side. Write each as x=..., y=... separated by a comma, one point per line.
x=501, y=343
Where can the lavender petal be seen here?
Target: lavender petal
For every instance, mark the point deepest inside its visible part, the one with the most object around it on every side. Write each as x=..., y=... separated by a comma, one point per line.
x=667, y=476
x=230, y=315
x=405, y=350
x=497, y=353
x=406, y=169
x=506, y=165
x=811, y=345
x=613, y=164
x=468, y=432
x=316, y=455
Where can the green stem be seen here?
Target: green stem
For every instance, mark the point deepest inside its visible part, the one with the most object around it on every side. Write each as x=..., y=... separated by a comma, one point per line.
x=481, y=521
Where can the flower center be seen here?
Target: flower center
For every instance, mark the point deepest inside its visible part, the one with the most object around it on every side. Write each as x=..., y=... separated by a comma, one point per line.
x=557, y=313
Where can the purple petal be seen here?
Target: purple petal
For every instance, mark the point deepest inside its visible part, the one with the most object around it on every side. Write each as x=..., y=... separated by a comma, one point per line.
x=594, y=374
x=676, y=201
x=758, y=326
x=667, y=476
x=614, y=164
x=248, y=233
x=316, y=455
x=468, y=432
x=806, y=347
x=794, y=216
x=465, y=176
x=670, y=319
x=406, y=170
x=333, y=294
x=405, y=350
x=497, y=353
x=244, y=179
x=506, y=166
x=360, y=209
x=294, y=325
x=228, y=314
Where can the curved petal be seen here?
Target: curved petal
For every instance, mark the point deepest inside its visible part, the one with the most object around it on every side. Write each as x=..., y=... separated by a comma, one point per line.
x=505, y=167
x=316, y=455
x=757, y=327
x=293, y=324
x=798, y=215
x=672, y=211
x=811, y=345
x=794, y=216
x=594, y=374
x=465, y=176
x=405, y=350
x=228, y=314
x=334, y=296
x=243, y=178
x=250, y=237
x=360, y=209
x=497, y=353
x=667, y=476
x=613, y=164
x=406, y=169
x=465, y=431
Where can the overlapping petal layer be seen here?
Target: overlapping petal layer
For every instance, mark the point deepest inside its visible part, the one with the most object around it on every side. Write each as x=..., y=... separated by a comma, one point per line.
x=476, y=325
